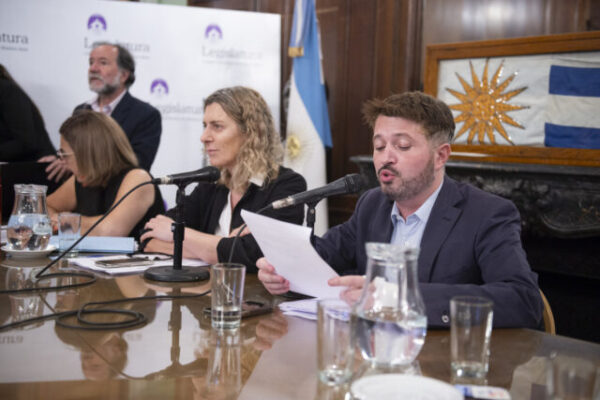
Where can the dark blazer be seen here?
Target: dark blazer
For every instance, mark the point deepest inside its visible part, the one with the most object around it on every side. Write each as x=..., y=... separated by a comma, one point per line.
x=203, y=208
x=142, y=125
x=23, y=136
x=471, y=246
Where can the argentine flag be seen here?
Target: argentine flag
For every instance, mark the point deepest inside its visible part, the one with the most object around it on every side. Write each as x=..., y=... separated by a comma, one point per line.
x=560, y=105
x=308, y=131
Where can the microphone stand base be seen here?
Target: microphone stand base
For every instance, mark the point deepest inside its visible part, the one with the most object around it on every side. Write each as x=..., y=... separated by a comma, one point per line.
x=170, y=274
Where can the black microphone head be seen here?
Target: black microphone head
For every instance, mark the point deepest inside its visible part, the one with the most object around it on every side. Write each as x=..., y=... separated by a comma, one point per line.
x=355, y=183
x=212, y=173
x=206, y=174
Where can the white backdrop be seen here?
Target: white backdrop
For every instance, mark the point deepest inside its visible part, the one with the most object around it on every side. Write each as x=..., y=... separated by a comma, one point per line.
x=182, y=54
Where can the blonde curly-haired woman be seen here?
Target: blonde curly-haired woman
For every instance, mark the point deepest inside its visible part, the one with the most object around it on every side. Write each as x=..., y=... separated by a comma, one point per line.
x=241, y=140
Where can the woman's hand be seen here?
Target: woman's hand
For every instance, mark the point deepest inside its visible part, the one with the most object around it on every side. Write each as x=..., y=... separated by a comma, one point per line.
x=158, y=227
x=234, y=232
x=275, y=284
x=57, y=168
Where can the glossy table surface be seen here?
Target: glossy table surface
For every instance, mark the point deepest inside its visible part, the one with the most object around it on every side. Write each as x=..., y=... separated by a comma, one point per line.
x=176, y=354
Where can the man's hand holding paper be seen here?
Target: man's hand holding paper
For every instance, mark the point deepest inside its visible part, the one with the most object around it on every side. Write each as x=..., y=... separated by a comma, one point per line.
x=287, y=246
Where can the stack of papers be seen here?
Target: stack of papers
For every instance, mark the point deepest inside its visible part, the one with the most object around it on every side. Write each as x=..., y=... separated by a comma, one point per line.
x=300, y=308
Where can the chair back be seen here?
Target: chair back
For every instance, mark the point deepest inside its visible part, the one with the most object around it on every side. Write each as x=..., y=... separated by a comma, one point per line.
x=549, y=325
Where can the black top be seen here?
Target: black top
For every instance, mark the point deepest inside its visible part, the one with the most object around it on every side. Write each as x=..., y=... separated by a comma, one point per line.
x=97, y=200
x=203, y=207
x=142, y=125
x=23, y=136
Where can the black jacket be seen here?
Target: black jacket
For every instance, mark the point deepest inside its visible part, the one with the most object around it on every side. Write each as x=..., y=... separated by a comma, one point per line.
x=203, y=207
x=142, y=125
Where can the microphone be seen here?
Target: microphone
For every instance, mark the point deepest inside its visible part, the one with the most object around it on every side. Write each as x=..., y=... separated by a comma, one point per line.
x=206, y=174
x=351, y=183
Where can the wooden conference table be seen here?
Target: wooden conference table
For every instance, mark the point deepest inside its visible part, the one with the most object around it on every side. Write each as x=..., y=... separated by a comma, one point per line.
x=176, y=354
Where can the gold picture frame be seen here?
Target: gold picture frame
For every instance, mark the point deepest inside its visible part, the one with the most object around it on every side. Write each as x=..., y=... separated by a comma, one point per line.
x=534, y=45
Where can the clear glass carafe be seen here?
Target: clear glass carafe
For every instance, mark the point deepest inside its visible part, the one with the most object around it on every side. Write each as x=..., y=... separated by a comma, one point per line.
x=389, y=320
x=29, y=226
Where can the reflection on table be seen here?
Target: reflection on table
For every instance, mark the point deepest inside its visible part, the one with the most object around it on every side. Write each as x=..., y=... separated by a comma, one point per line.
x=177, y=355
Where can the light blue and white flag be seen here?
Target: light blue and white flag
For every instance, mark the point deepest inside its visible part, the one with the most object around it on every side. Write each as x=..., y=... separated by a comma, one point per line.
x=573, y=107
x=308, y=131
x=558, y=106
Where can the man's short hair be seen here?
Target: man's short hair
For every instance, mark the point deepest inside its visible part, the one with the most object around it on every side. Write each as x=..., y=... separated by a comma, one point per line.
x=432, y=114
x=125, y=60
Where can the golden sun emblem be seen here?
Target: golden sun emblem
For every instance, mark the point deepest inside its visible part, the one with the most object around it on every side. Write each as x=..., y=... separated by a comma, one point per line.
x=293, y=146
x=483, y=106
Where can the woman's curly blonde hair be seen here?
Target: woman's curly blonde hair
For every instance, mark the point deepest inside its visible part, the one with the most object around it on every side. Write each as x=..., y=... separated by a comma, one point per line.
x=261, y=152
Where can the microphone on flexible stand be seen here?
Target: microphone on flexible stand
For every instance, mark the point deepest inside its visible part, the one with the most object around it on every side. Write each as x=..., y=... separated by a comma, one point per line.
x=349, y=184
x=177, y=272
x=206, y=174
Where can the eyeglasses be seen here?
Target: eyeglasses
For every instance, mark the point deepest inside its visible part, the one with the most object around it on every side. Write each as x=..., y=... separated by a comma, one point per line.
x=60, y=153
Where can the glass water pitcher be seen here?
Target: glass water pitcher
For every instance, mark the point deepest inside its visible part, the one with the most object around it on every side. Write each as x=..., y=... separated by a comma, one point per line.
x=29, y=226
x=389, y=320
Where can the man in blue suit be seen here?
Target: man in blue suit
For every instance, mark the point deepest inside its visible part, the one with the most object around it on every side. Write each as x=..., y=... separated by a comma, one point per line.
x=469, y=239
x=110, y=74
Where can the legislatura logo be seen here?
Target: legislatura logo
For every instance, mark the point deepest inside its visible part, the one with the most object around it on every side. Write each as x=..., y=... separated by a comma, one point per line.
x=213, y=33
x=159, y=88
x=215, y=49
x=169, y=105
x=96, y=23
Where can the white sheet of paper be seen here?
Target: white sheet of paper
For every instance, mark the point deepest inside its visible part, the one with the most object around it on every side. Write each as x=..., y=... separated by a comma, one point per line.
x=306, y=308
x=287, y=247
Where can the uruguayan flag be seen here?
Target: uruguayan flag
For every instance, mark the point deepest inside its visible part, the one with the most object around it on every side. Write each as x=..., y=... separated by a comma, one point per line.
x=573, y=107
x=308, y=131
x=559, y=106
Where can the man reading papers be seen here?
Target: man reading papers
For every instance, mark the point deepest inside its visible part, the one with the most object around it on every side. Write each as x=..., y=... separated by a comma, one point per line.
x=469, y=240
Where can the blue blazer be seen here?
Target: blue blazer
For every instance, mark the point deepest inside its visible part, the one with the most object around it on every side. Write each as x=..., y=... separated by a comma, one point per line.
x=142, y=125
x=471, y=246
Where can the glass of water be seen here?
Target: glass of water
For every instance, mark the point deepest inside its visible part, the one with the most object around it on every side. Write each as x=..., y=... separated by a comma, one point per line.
x=470, y=334
x=334, y=350
x=227, y=293
x=69, y=230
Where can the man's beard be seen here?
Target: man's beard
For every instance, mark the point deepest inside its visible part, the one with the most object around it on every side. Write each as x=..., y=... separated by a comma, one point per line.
x=107, y=87
x=409, y=188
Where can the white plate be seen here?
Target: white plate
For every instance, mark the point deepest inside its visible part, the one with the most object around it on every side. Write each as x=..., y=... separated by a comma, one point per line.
x=22, y=254
x=398, y=386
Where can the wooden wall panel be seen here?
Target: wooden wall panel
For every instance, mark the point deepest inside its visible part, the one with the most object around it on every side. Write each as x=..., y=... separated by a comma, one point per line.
x=372, y=48
x=448, y=21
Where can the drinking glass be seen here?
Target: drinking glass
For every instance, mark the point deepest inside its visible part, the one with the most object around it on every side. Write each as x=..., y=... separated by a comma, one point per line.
x=69, y=230
x=227, y=293
x=334, y=351
x=470, y=333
